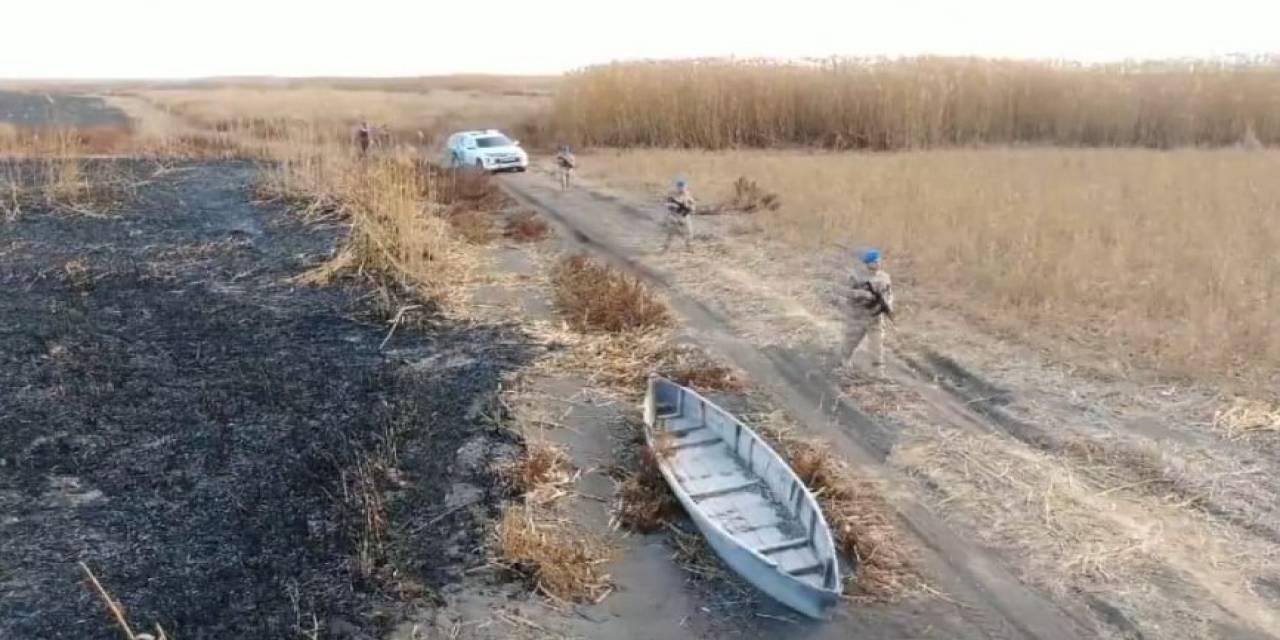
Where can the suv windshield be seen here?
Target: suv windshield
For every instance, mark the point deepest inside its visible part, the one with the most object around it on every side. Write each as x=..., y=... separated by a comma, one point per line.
x=492, y=141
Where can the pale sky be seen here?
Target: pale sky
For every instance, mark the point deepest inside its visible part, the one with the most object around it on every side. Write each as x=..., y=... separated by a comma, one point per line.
x=184, y=39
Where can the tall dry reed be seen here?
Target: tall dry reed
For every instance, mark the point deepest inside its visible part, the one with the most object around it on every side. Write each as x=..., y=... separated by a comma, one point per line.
x=1157, y=256
x=917, y=103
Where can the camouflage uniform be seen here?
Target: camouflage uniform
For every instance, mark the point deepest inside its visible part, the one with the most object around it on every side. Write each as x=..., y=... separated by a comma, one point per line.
x=679, y=221
x=866, y=316
x=565, y=164
x=364, y=137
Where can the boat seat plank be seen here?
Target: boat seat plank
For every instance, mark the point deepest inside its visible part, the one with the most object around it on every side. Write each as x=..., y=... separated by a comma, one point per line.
x=736, y=485
x=814, y=567
x=785, y=545
x=702, y=462
x=681, y=425
x=795, y=560
x=697, y=441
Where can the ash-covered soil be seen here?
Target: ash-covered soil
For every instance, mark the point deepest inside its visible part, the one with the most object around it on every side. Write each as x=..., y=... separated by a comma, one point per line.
x=38, y=109
x=200, y=432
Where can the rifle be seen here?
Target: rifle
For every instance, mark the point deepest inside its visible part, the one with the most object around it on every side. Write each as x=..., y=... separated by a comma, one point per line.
x=680, y=207
x=878, y=304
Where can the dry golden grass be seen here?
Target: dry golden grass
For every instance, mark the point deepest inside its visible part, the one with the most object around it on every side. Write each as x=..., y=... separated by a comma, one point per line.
x=562, y=562
x=118, y=611
x=1245, y=418
x=400, y=232
x=695, y=369
x=1076, y=530
x=540, y=473
x=644, y=501
x=60, y=178
x=596, y=297
x=916, y=103
x=62, y=141
x=331, y=114
x=1164, y=258
x=526, y=226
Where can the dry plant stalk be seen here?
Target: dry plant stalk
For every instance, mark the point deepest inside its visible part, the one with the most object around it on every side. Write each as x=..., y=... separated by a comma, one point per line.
x=540, y=473
x=563, y=562
x=1245, y=418
x=749, y=197
x=365, y=518
x=117, y=610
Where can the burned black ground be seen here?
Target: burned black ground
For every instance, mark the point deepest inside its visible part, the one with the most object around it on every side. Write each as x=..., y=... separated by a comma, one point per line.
x=178, y=415
x=30, y=109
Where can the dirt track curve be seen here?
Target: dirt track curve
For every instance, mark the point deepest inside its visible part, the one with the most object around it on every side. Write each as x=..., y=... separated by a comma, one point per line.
x=991, y=601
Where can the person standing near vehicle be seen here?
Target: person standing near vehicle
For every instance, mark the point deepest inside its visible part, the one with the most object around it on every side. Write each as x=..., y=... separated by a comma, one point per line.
x=680, y=209
x=870, y=302
x=565, y=164
x=364, y=137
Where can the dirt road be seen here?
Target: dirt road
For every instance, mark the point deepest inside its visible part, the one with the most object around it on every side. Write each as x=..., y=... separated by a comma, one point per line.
x=1075, y=531
x=213, y=440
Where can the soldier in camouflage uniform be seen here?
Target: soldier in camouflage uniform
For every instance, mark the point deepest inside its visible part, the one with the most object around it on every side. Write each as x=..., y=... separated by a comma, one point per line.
x=565, y=164
x=364, y=137
x=870, y=302
x=680, y=210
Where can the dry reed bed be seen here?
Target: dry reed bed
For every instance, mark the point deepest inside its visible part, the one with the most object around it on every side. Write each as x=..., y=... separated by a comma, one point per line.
x=917, y=103
x=1164, y=258
x=332, y=113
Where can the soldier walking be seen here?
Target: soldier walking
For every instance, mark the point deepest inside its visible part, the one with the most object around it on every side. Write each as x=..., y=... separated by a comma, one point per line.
x=680, y=210
x=364, y=137
x=565, y=164
x=870, y=302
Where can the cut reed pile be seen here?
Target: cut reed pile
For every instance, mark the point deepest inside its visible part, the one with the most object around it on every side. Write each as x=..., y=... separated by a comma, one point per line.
x=622, y=332
x=540, y=473
x=533, y=539
x=917, y=103
x=558, y=560
x=591, y=296
x=526, y=226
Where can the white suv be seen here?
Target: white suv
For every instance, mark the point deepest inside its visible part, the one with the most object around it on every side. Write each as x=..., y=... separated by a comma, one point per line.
x=487, y=150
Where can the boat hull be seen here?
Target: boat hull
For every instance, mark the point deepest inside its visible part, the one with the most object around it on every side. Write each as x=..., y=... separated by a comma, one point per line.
x=667, y=401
